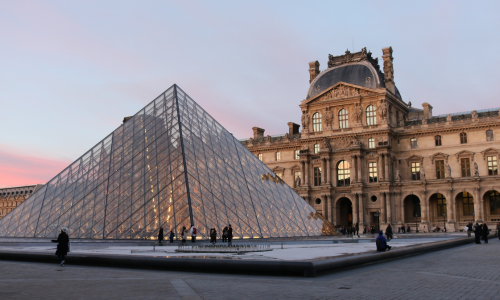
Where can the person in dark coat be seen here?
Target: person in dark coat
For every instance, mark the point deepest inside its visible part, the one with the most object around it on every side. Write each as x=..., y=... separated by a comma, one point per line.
x=477, y=233
x=357, y=229
x=172, y=234
x=224, y=234
x=388, y=232
x=381, y=242
x=485, y=232
x=214, y=236
x=62, y=246
x=160, y=235
x=229, y=234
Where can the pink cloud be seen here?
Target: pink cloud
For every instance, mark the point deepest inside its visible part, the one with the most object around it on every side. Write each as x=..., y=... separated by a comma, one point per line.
x=17, y=170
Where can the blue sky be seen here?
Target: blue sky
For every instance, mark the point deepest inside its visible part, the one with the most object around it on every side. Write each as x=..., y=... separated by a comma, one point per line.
x=71, y=70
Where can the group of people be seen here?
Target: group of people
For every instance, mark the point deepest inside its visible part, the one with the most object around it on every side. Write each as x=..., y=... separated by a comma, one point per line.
x=349, y=230
x=480, y=231
x=404, y=229
x=227, y=234
x=372, y=229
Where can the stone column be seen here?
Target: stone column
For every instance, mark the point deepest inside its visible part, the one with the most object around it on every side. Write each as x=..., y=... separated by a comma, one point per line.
x=478, y=207
x=424, y=206
x=402, y=209
x=359, y=167
x=387, y=161
x=449, y=207
x=324, y=206
x=334, y=213
x=361, y=211
x=329, y=209
x=323, y=171
x=306, y=173
x=328, y=171
x=355, y=209
x=381, y=167
x=388, y=205
x=382, y=208
x=302, y=173
x=353, y=168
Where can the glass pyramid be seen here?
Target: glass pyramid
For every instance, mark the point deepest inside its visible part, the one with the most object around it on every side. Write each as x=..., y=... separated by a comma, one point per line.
x=169, y=165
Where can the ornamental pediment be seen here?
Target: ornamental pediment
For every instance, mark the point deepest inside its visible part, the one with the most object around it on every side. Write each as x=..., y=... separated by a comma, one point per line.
x=438, y=156
x=465, y=153
x=493, y=151
x=415, y=158
x=341, y=90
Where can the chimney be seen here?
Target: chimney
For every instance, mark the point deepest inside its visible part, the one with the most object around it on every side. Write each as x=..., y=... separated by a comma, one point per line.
x=313, y=70
x=427, y=110
x=293, y=128
x=388, y=69
x=258, y=133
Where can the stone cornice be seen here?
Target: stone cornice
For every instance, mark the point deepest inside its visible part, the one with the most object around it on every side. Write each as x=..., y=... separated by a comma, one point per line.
x=456, y=127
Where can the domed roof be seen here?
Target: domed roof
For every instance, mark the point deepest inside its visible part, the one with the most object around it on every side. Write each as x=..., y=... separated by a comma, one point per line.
x=355, y=68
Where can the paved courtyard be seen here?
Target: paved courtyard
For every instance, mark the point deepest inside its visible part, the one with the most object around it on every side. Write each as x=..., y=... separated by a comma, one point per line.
x=466, y=272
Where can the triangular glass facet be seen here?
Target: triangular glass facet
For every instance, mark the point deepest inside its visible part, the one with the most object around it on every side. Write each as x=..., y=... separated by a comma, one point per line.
x=170, y=165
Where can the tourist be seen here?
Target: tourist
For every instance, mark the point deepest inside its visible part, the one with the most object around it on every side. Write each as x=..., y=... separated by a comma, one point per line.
x=425, y=230
x=171, y=236
x=213, y=236
x=224, y=234
x=229, y=234
x=403, y=230
x=469, y=229
x=388, y=232
x=408, y=229
x=485, y=232
x=62, y=246
x=184, y=235
x=357, y=229
x=193, y=233
x=477, y=233
x=381, y=242
x=160, y=235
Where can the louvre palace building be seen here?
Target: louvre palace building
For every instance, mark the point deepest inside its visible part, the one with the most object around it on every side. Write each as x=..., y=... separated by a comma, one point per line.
x=363, y=155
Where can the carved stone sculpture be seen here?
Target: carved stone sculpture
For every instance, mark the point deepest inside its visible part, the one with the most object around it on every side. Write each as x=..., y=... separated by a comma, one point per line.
x=305, y=121
x=250, y=140
x=474, y=114
x=297, y=181
x=422, y=174
x=268, y=138
x=357, y=112
x=328, y=119
x=448, y=118
x=326, y=144
x=398, y=176
x=424, y=121
x=448, y=171
x=476, y=170
x=286, y=137
x=382, y=110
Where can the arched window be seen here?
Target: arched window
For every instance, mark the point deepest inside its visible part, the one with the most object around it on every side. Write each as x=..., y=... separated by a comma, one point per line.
x=441, y=205
x=494, y=202
x=468, y=203
x=371, y=115
x=489, y=135
x=343, y=118
x=371, y=143
x=343, y=173
x=413, y=142
x=463, y=138
x=437, y=139
x=317, y=125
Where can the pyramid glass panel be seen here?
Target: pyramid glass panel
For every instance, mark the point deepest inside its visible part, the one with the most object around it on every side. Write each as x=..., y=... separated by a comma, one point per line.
x=170, y=165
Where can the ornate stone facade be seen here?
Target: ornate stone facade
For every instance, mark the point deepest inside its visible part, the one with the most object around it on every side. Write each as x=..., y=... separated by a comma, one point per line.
x=11, y=197
x=372, y=154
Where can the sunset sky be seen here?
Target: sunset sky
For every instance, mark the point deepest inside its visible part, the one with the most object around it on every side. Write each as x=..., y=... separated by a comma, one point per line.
x=71, y=70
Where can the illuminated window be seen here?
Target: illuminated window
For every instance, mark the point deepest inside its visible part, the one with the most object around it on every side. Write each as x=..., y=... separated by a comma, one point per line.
x=296, y=154
x=437, y=139
x=489, y=135
x=371, y=143
x=440, y=169
x=316, y=148
x=260, y=156
x=371, y=115
x=463, y=138
x=372, y=171
x=468, y=203
x=343, y=118
x=317, y=176
x=343, y=174
x=278, y=156
x=465, y=166
x=413, y=143
x=492, y=165
x=415, y=171
x=317, y=125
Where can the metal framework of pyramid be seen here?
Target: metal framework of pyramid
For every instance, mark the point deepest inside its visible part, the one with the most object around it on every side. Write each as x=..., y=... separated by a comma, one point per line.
x=170, y=165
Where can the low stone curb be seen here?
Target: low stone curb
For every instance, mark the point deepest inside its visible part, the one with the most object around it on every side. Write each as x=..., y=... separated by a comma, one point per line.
x=290, y=268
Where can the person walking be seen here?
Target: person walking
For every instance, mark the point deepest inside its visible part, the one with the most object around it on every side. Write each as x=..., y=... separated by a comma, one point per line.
x=62, y=246
x=477, y=233
x=381, y=242
x=224, y=234
x=160, y=235
x=485, y=232
x=388, y=232
x=193, y=234
x=184, y=234
x=171, y=236
x=357, y=229
x=469, y=229
x=229, y=234
x=213, y=236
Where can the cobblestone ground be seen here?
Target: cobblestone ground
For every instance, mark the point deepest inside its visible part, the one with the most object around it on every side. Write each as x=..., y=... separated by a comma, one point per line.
x=467, y=272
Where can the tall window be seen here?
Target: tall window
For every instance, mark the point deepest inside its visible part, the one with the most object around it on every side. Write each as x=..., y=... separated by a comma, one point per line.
x=465, y=166
x=316, y=148
x=371, y=143
x=317, y=176
x=489, y=135
x=317, y=125
x=415, y=171
x=440, y=169
x=371, y=115
x=441, y=203
x=463, y=138
x=413, y=143
x=296, y=176
x=494, y=203
x=343, y=174
x=468, y=203
x=296, y=154
x=437, y=139
x=372, y=171
x=492, y=165
x=343, y=118
x=260, y=156
x=278, y=156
